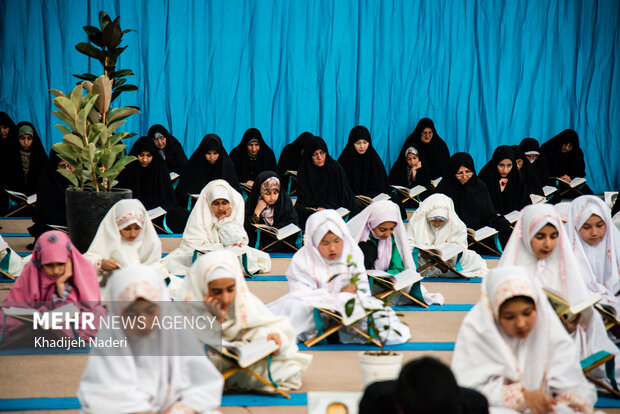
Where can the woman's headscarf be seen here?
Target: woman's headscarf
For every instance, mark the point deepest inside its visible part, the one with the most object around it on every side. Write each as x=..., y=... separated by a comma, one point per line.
x=514, y=196
x=603, y=260
x=420, y=231
x=281, y=213
x=488, y=359
x=362, y=225
x=198, y=172
x=365, y=172
x=436, y=152
x=173, y=152
x=249, y=167
x=571, y=163
x=108, y=243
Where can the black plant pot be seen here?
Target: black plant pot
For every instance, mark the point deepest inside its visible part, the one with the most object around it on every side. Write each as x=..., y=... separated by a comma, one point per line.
x=86, y=209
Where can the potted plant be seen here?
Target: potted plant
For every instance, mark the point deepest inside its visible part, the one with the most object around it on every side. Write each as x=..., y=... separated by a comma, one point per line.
x=91, y=144
x=381, y=364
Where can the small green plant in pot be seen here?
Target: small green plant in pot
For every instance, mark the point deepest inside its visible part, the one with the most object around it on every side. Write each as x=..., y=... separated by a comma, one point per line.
x=382, y=364
x=92, y=144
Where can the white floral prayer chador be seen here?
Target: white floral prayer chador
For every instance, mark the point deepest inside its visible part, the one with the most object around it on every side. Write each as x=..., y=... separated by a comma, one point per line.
x=205, y=232
x=500, y=366
x=563, y=272
x=247, y=319
x=309, y=277
x=420, y=231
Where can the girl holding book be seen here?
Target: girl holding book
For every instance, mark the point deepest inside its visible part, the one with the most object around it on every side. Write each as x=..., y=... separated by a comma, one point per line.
x=410, y=170
x=153, y=370
x=125, y=237
x=380, y=234
x=268, y=204
x=513, y=349
x=540, y=245
x=431, y=146
x=434, y=224
x=596, y=242
x=216, y=279
x=215, y=223
x=318, y=273
x=56, y=275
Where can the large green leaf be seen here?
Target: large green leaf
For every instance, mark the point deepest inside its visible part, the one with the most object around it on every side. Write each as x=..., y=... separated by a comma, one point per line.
x=81, y=122
x=90, y=51
x=114, y=125
x=349, y=307
x=56, y=92
x=112, y=34
x=118, y=82
x=66, y=150
x=66, y=106
x=120, y=73
x=76, y=96
x=91, y=30
x=63, y=129
x=116, y=138
x=74, y=140
x=102, y=86
x=120, y=113
x=69, y=175
x=65, y=118
x=114, y=54
x=86, y=76
x=104, y=19
x=126, y=88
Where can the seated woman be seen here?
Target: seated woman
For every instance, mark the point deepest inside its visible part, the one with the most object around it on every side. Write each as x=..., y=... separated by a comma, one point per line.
x=28, y=161
x=268, y=204
x=435, y=223
x=528, y=172
x=50, y=208
x=411, y=170
x=155, y=370
x=10, y=261
x=252, y=156
x=363, y=166
x=318, y=271
x=471, y=198
x=507, y=190
x=125, y=237
x=290, y=160
x=432, y=148
x=149, y=181
x=216, y=222
x=566, y=162
x=531, y=150
x=513, y=349
x=596, y=242
x=217, y=279
x=539, y=244
x=168, y=147
x=8, y=147
x=209, y=162
x=321, y=182
x=56, y=275
x=380, y=234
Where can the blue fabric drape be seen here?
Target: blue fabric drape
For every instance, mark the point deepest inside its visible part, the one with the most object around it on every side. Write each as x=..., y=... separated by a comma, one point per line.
x=488, y=72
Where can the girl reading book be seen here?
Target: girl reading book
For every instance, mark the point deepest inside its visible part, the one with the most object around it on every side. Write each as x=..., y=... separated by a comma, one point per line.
x=380, y=234
x=410, y=170
x=431, y=146
x=513, y=349
x=596, y=243
x=216, y=279
x=216, y=222
x=252, y=156
x=156, y=370
x=540, y=245
x=125, y=237
x=56, y=275
x=270, y=205
x=318, y=273
x=435, y=223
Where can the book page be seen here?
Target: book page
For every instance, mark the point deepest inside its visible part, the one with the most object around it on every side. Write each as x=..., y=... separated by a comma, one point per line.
x=173, y=176
x=436, y=181
x=381, y=197
x=291, y=172
x=577, y=181
x=513, y=215
x=579, y=307
x=342, y=211
x=549, y=190
x=13, y=310
x=484, y=232
x=156, y=212
x=418, y=189
x=17, y=194
x=537, y=199
x=406, y=278
x=252, y=352
x=287, y=231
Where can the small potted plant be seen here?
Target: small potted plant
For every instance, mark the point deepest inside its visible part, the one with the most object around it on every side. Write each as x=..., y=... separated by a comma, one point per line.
x=91, y=144
x=381, y=364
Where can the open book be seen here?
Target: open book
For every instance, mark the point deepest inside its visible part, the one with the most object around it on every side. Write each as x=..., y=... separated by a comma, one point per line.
x=409, y=192
x=398, y=281
x=340, y=210
x=514, y=215
x=548, y=190
x=368, y=200
x=21, y=196
x=538, y=199
x=27, y=314
x=291, y=173
x=247, y=354
x=247, y=187
x=481, y=233
x=156, y=212
x=174, y=176
x=280, y=234
x=436, y=182
x=563, y=307
x=444, y=251
x=575, y=182
x=335, y=307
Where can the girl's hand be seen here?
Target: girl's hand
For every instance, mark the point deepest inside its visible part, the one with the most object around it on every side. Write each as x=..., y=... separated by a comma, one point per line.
x=275, y=338
x=565, y=178
x=61, y=281
x=110, y=264
x=539, y=402
x=260, y=206
x=502, y=183
x=250, y=183
x=214, y=307
x=570, y=326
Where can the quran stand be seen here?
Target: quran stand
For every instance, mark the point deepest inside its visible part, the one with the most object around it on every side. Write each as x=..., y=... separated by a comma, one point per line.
x=18, y=209
x=236, y=368
x=390, y=290
x=432, y=261
x=334, y=328
x=594, y=361
x=7, y=275
x=569, y=188
x=275, y=240
x=161, y=228
x=495, y=238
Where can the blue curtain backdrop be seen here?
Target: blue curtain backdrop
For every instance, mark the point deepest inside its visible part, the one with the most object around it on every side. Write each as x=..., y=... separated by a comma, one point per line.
x=488, y=72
